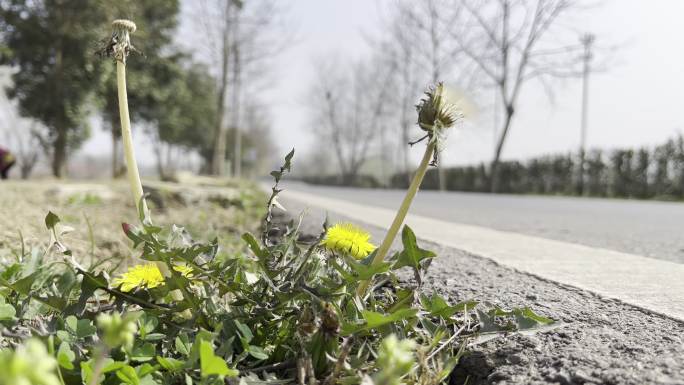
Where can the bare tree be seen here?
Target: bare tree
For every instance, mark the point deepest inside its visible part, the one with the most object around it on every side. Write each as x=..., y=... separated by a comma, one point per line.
x=216, y=21
x=236, y=37
x=349, y=104
x=427, y=24
x=259, y=35
x=511, y=43
x=417, y=42
x=400, y=52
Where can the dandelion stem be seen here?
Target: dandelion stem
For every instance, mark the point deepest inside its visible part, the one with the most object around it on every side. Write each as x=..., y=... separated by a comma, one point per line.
x=100, y=357
x=401, y=213
x=127, y=137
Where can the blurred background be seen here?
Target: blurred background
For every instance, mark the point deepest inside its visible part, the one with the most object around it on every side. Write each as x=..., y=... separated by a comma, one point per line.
x=561, y=97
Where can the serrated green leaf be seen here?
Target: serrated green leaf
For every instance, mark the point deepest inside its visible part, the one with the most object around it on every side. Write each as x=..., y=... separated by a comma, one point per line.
x=89, y=285
x=488, y=322
x=65, y=356
x=170, y=364
x=412, y=255
x=147, y=323
x=211, y=365
x=81, y=328
x=128, y=375
x=253, y=245
x=111, y=365
x=257, y=352
x=244, y=331
x=438, y=306
x=182, y=344
x=525, y=318
x=144, y=352
x=7, y=311
x=288, y=160
x=144, y=370
x=374, y=320
x=364, y=271
x=23, y=285
x=404, y=300
x=154, y=337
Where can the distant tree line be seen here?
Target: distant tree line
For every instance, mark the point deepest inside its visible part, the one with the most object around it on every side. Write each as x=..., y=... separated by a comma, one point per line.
x=644, y=173
x=363, y=108
x=56, y=82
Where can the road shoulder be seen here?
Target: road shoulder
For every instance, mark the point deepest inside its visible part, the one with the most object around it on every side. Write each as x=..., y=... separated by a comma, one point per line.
x=647, y=283
x=602, y=341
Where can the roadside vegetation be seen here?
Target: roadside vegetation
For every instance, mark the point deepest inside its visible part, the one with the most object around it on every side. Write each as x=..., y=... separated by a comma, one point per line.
x=331, y=310
x=643, y=173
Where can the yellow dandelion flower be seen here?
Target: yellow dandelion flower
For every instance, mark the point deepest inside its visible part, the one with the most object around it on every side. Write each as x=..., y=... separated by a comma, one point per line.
x=349, y=239
x=147, y=276
x=143, y=276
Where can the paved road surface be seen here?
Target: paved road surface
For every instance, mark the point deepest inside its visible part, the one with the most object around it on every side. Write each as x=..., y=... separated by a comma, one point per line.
x=651, y=229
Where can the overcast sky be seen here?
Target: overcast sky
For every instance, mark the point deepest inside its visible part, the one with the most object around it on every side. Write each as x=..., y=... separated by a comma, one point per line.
x=639, y=101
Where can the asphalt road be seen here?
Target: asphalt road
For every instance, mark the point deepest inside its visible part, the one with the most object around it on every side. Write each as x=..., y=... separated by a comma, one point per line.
x=647, y=228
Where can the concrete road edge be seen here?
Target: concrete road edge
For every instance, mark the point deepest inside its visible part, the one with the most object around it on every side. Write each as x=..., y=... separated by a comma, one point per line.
x=651, y=284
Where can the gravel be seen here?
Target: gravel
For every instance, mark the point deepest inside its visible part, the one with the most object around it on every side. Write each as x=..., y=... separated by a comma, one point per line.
x=601, y=341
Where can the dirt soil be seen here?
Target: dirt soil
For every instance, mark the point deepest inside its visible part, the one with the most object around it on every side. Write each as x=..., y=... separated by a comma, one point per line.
x=107, y=205
x=601, y=341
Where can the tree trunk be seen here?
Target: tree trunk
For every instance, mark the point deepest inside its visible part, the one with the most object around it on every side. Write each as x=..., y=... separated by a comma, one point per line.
x=160, y=161
x=237, y=150
x=60, y=144
x=494, y=178
x=219, y=157
x=220, y=138
x=59, y=153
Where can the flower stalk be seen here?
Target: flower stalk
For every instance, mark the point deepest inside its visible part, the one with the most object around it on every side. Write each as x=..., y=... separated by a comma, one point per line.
x=435, y=114
x=384, y=247
x=119, y=48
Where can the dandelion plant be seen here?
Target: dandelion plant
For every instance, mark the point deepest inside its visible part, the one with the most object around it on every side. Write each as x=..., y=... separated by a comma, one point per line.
x=119, y=47
x=284, y=311
x=436, y=114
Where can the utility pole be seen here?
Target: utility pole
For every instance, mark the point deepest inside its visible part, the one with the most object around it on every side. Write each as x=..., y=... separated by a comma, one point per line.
x=587, y=41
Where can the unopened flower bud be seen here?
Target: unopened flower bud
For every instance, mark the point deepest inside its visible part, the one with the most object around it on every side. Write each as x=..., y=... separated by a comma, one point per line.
x=436, y=112
x=116, y=330
x=395, y=359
